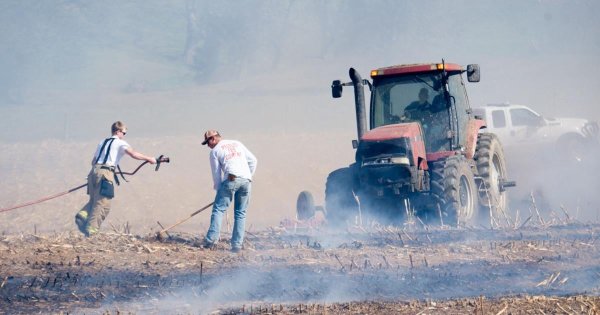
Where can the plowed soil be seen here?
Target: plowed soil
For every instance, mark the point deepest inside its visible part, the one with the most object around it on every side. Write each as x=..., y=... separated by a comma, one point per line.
x=542, y=269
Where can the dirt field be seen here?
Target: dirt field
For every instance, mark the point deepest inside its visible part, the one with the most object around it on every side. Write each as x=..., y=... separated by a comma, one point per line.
x=537, y=269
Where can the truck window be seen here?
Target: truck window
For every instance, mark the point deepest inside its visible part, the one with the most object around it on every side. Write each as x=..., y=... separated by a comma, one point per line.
x=524, y=117
x=498, y=119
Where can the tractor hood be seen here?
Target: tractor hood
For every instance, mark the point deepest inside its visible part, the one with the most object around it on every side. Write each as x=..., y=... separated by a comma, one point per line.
x=395, y=131
x=406, y=138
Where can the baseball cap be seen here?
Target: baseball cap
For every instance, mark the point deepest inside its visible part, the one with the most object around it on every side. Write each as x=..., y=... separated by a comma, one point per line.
x=208, y=134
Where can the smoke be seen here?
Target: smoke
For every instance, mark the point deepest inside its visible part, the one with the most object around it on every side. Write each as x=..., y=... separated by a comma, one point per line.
x=558, y=187
x=271, y=283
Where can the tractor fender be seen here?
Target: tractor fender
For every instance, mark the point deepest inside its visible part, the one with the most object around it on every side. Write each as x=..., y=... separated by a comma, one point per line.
x=473, y=128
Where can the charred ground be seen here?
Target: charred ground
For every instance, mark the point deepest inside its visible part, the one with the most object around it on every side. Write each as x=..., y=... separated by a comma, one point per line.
x=374, y=270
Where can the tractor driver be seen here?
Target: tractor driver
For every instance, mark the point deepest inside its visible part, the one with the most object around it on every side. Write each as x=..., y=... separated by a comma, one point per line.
x=432, y=119
x=417, y=109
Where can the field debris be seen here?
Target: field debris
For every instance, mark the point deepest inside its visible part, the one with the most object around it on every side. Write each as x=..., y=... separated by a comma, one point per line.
x=377, y=269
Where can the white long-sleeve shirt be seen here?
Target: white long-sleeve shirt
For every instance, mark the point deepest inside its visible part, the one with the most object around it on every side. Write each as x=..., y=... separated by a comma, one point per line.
x=231, y=157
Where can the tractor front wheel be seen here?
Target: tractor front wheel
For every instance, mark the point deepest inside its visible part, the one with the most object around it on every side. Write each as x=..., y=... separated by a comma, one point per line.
x=340, y=202
x=454, y=185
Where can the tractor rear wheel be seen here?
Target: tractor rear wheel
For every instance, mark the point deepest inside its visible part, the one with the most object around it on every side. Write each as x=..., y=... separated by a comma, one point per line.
x=453, y=183
x=491, y=168
x=340, y=202
x=305, y=206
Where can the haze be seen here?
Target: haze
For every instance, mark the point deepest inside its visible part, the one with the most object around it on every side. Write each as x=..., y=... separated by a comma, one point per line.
x=258, y=71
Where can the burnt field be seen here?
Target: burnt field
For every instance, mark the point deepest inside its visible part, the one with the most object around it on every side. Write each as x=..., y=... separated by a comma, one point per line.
x=532, y=269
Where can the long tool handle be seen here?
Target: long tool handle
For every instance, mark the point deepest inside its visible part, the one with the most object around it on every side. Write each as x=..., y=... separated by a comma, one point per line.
x=191, y=215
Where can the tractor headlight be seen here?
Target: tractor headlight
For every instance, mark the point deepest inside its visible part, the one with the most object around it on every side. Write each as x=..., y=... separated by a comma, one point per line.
x=400, y=160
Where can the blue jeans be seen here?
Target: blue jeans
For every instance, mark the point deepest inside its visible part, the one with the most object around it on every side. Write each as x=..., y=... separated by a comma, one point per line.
x=239, y=191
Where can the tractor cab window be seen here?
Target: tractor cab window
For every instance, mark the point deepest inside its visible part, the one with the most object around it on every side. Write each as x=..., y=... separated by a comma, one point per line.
x=458, y=95
x=393, y=98
x=412, y=98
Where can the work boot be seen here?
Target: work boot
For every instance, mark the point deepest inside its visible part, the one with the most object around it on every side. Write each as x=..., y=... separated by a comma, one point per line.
x=90, y=230
x=81, y=221
x=207, y=245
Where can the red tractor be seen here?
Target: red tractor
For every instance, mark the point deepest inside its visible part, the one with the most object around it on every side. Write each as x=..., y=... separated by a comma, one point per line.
x=422, y=155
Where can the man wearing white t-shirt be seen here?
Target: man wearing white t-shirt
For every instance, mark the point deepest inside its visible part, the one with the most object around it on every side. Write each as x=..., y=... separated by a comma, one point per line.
x=232, y=166
x=102, y=177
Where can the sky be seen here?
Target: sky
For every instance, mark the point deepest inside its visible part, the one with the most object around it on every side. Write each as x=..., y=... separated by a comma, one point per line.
x=59, y=54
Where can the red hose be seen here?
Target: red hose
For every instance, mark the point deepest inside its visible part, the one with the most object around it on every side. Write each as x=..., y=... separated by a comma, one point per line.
x=68, y=191
x=43, y=199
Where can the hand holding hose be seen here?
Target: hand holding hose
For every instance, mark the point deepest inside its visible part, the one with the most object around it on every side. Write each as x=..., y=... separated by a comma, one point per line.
x=161, y=159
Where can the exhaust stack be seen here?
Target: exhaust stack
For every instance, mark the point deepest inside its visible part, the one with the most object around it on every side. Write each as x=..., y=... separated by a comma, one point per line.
x=359, y=101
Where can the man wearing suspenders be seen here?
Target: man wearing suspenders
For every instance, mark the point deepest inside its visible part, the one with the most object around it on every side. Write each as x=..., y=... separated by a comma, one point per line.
x=102, y=176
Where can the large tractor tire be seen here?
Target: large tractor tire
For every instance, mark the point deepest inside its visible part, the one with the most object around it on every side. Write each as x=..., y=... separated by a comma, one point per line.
x=340, y=203
x=491, y=168
x=453, y=183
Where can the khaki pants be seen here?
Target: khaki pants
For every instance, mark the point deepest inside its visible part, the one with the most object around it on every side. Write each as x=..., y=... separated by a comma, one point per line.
x=91, y=216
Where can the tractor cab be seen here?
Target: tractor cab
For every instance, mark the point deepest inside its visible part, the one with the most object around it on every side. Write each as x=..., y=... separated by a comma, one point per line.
x=421, y=98
x=431, y=95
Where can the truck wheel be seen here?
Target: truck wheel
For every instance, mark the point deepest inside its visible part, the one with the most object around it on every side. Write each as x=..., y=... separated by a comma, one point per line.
x=491, y=168
x=305, y=206
x=571, y=148
x=454, y=184
x=340, y=203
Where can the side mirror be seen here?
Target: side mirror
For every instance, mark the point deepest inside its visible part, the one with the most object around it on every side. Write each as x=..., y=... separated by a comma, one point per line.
x=473, y=74
x=336, y=88
x=354, y=144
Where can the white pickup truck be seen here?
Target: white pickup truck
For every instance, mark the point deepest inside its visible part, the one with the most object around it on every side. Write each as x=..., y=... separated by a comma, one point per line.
x=521, y=128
